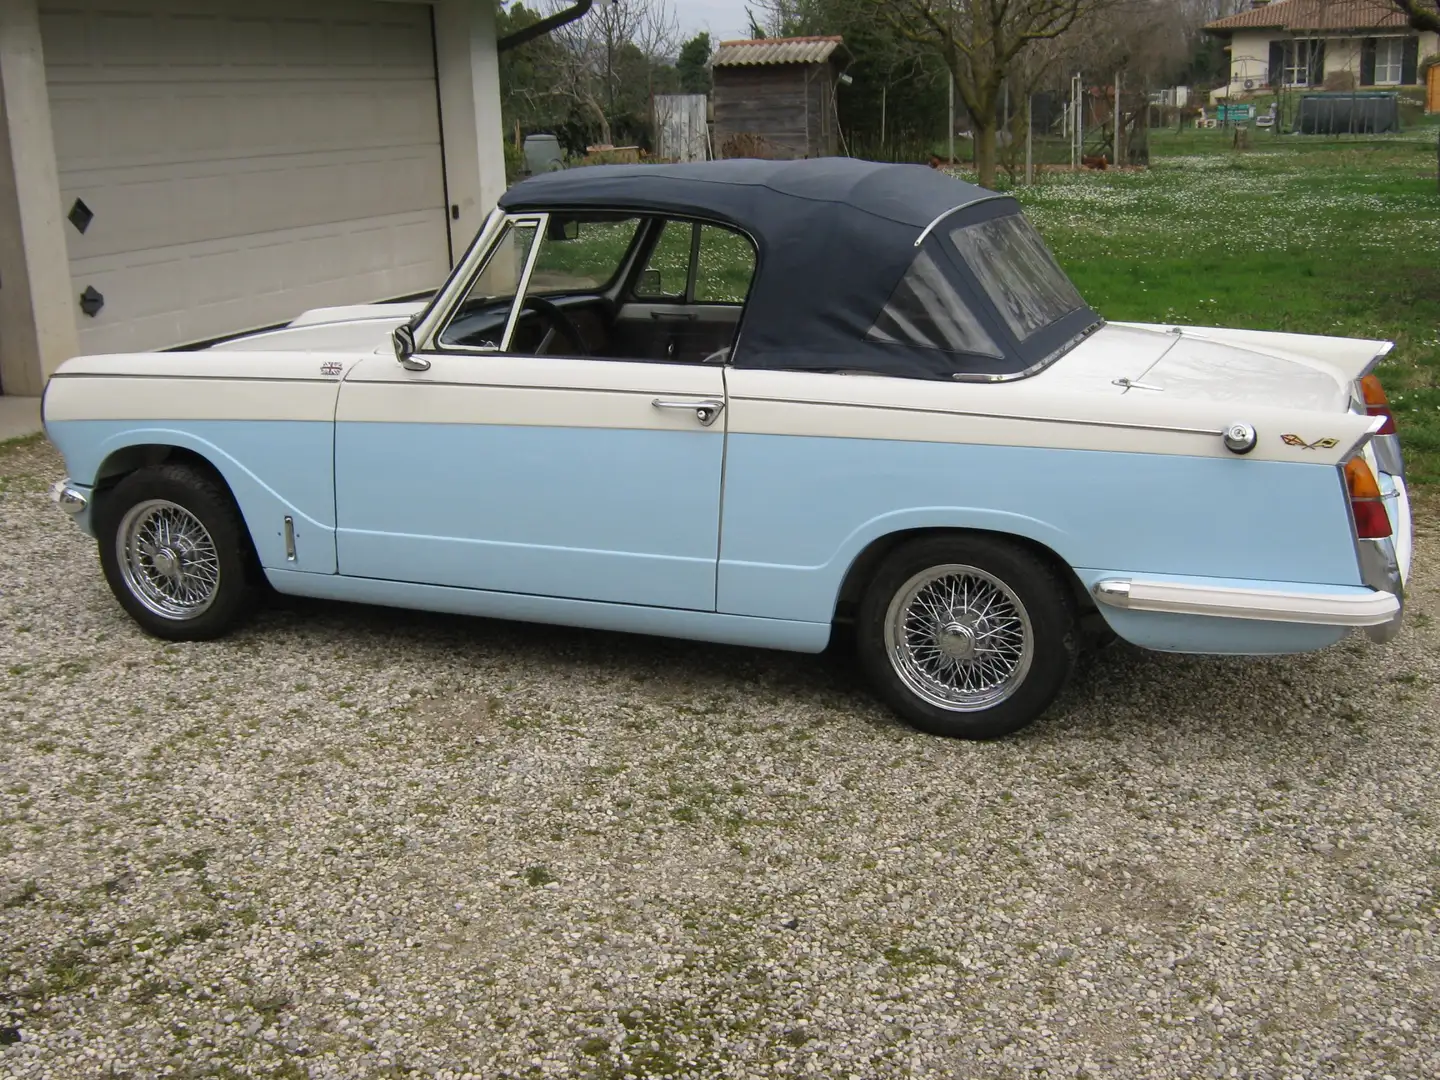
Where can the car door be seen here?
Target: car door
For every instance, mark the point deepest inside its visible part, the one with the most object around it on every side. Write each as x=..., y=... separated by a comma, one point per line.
x=586, y=477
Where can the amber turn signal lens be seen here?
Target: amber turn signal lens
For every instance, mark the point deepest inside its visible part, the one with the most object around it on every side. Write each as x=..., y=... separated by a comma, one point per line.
x=1371, y=520
x=1377, y=403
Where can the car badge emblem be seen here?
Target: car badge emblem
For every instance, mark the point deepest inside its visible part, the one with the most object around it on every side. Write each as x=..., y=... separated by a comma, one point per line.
x=331, y=367
x=1318, y=444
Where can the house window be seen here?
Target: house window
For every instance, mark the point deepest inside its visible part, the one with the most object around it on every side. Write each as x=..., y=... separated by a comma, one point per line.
x=1302, y=62
x=1389, y=61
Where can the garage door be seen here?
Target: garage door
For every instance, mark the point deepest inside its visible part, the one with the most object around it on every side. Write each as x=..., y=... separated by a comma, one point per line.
x=234, y=162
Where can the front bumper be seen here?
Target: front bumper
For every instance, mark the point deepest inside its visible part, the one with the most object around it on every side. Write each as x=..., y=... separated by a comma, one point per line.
x=69, y=498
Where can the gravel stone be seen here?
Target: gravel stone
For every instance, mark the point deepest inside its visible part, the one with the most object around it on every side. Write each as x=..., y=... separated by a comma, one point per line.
x=350, y=842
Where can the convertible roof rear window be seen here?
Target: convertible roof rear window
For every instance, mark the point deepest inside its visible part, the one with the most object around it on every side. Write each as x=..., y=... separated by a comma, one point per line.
x=1018, y=272
x=925, y=309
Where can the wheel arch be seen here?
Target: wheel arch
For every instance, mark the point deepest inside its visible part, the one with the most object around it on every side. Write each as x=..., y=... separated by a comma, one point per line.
x=267, y=514
x=863, y=567
x=131, y=458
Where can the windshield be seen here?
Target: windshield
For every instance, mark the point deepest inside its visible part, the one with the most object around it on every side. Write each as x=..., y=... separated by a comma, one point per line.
x=1018, y=273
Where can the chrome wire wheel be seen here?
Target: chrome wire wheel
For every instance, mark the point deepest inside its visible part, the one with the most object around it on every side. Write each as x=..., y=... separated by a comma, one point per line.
x=167, y=559
x=959, y=638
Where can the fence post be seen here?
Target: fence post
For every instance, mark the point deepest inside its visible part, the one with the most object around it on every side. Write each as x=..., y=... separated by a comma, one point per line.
x=1029, y=139
x=1117, y=119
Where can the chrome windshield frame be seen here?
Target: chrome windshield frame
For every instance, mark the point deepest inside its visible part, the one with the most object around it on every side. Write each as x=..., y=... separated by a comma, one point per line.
x=457, y=286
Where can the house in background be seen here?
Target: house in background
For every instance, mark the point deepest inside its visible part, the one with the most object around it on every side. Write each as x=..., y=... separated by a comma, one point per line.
x=1302, y=43
x=174, y=171
x=775, y=97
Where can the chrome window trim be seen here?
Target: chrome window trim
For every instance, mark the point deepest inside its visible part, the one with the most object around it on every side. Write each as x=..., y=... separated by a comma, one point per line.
x=925, y=232
x=523, y=286
x=427, y=329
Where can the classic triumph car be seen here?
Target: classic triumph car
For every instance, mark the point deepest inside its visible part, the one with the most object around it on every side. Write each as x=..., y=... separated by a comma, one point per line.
x=749, y=402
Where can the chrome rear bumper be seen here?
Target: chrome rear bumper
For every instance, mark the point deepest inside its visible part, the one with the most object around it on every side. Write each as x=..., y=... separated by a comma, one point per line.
x=1385, y=562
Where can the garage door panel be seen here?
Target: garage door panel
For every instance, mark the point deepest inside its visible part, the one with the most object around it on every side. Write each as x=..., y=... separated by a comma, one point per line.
x=136, y=209
x=259, y=282
x=244, y=162
x=149, y=124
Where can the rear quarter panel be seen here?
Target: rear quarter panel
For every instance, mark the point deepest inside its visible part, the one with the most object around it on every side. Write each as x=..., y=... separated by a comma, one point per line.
x=809, y=484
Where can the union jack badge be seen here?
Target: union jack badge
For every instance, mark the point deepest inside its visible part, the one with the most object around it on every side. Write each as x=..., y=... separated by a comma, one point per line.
x=331, y=367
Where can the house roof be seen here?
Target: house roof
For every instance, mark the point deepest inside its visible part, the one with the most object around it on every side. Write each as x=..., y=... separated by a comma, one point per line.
x=796, y=50
x=1314, y=15
x=834, y=236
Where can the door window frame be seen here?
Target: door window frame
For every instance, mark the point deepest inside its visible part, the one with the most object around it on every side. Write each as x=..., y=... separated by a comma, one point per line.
x=431, y=323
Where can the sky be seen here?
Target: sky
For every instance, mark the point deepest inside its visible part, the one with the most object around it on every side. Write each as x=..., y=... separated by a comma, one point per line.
x=725, y=19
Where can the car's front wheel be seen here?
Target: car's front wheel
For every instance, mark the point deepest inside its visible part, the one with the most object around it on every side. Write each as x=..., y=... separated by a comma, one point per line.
x=966, y=635
x=175, y=553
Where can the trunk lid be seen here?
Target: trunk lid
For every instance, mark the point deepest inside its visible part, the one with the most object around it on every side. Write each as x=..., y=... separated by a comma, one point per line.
x=1125, y=359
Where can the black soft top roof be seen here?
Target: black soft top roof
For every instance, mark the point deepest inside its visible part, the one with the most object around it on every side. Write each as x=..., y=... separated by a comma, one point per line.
x=834, y=238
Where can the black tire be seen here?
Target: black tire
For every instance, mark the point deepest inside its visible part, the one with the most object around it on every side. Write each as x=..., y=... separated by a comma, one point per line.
x=1045, y=601
x=208, y=501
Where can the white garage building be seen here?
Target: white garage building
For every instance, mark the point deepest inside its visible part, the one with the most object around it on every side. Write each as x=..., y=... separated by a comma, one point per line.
x=173, y=171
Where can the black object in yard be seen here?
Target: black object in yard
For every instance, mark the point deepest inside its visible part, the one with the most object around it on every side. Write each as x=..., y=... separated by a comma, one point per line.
x=1360, y=113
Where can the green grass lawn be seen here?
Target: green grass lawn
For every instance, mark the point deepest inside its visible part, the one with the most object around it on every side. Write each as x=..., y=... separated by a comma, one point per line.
x=1297, y=233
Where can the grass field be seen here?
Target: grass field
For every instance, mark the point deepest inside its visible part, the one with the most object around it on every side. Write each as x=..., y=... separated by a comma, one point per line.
x=1300, y=234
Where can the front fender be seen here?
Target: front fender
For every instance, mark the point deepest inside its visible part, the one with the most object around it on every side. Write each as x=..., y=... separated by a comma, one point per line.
x=274, y=470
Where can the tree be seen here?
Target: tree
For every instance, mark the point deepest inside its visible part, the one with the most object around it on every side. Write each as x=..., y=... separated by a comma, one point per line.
x=693, y=64
x=980, y=42
x=607, y=58
x=1421, y=14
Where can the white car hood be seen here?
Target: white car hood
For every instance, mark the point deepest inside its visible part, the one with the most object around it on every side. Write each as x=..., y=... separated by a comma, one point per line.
x=364, y=328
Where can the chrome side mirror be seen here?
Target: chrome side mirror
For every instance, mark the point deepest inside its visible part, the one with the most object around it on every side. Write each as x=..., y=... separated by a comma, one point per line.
x=404, y=339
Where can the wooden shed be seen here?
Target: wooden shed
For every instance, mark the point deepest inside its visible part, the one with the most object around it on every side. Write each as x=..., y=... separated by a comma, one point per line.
x=775, y=97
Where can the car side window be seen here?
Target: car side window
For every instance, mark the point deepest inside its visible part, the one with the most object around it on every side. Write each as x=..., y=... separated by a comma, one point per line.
x=667, y=272
x=724, y=268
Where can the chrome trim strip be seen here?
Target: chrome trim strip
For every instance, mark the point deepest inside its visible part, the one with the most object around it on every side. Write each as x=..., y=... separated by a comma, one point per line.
x=1218, y=432
x=1265, y=605
x=189, y=377
x=523, y=286
x=954, y=209
x=289, y=538
x=1385, y=350
x=1389, y=455
x=520, y=386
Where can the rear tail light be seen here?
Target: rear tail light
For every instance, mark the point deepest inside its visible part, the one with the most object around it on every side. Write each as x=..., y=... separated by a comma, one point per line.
x=1371, y=520
x=1377, y=403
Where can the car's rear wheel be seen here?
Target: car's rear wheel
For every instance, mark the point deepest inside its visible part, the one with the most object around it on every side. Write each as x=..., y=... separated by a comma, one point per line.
x=968, y=636
x=175, y=553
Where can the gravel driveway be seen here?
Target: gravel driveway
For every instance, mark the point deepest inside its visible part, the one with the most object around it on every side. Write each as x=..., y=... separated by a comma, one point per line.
x=363, y=843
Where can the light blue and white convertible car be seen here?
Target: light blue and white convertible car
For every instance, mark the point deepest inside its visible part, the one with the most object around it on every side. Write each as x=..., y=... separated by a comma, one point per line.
x=750, y=402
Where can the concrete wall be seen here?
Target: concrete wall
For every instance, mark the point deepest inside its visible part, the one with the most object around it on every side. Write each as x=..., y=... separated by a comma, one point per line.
x=37, y=323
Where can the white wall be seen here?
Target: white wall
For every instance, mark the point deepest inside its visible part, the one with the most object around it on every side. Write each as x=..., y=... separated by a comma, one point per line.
x=469, y=74
x=37, y=321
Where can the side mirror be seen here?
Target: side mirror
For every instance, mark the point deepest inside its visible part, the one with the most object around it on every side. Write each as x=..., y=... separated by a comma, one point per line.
x=404, y=340
x=649, y=283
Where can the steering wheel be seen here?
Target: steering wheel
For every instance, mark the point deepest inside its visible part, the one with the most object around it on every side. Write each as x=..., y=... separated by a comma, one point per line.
x=557, y=322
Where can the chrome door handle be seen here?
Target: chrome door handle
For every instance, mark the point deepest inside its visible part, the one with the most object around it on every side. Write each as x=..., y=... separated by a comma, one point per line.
x=706, y=409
